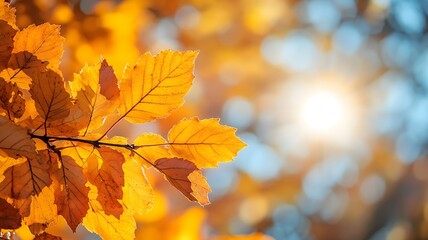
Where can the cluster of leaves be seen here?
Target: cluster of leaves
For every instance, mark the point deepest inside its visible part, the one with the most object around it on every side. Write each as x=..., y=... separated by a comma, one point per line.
x=56, y=160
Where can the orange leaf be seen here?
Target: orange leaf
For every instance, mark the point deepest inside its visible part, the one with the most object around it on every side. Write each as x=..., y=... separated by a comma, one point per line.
x=46, y=236
x=204, y=142
x=155, y=86
x=8, y=30
x=151, y=147
x=109, y=179
x=9, y=216
x=25, y=179
x=11, y=101
x=71, y=196
x=35, y=49
x=52, y=101
x=15, y=141
x=97, y=94
x=186, y=177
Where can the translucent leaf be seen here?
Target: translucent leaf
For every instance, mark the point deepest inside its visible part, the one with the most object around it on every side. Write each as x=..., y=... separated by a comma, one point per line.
x=155, y=85
x=204, y=142
x=15, y=141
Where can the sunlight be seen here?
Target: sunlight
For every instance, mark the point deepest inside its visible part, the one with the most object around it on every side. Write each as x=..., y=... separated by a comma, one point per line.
x=324, y=112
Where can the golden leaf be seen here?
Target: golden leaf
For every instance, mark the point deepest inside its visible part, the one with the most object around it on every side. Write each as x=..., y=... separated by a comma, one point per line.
x=151, y=147
x=155, y=86
x=35, y=49
x=138, y=195
x=204, y=142
x=97, y=94
x=108, y=226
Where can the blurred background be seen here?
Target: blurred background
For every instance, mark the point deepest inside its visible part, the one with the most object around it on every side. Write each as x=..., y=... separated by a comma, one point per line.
x=330, y=96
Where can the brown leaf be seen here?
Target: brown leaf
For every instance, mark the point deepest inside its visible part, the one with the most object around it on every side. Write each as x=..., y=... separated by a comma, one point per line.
x=7, y=32
x=25, y=179
x=15, y=141
x=186, y=177
x=9, y=216
x=108, y=81
x=52, y=101
x=71, y=195
x=47, y=236
x=109, y=179
x=11, y=101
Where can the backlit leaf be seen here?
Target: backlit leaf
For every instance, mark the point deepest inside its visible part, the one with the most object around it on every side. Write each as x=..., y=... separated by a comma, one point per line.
x=204, y=142
x=186, y=177
x=52, y=101
x=155, y=85
x=108, y=178
x=151, y=147
x=12, y=104
x=108, y=226
x=8, y=30
x=46, y=236
x=25, y=179
x=71, y=195
x=35, y=49
x=14, y=140
x=9, y=216
x=138, y=195
x=97, y=92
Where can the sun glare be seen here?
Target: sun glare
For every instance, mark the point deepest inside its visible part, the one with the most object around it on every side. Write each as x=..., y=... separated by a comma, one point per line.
x=324, y=113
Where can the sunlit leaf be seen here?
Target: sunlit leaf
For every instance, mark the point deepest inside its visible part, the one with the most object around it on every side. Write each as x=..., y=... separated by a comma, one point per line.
x=186, y=177
x=155, y=85
x=15, y=141
x=71, y=194
x=11, y=101
x=204, y=142
x=52, y=101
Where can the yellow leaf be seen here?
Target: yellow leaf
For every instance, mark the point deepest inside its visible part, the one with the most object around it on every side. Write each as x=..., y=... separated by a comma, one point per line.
x=204, y=142
x=15, y=140
x=41, y=209
x=108, y=226
x=52, y=101
x=97, y=94
x=138, y=195
x=151, y=147
x=155, y=86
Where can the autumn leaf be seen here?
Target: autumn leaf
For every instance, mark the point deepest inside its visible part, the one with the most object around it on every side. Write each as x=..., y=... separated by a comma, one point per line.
x=138, y=195
x=71, y=196
x=46, y=236
x=9, y=216
x=186, y=177
x=25, y=179
x=8, y=30
x=14, y=140
x=204, y=142
x=52, y=101
x=109, y=179
x=11, y=101
x=35, y=49
x=97, y=93
x=108, y=226
x=155, y=86
x=151, y=147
